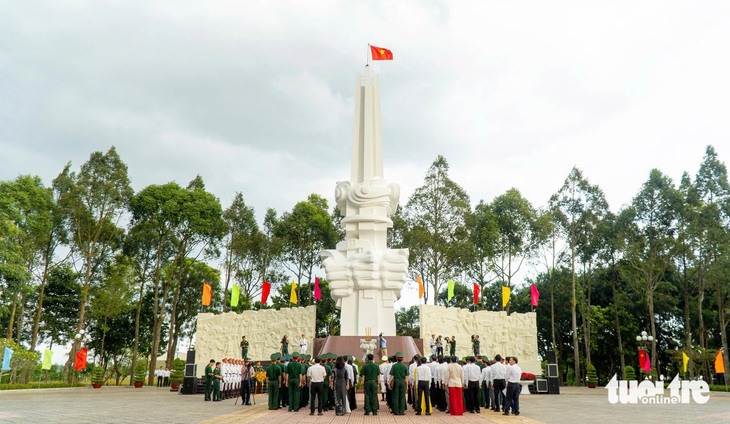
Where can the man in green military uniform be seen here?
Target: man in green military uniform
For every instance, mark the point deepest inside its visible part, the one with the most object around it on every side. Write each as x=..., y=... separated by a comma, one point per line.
x=244, y=348
x=273, y=375
x=217, y=378
x=397, y=383
x=209, y=379
x=370, y=374
x=293, y=378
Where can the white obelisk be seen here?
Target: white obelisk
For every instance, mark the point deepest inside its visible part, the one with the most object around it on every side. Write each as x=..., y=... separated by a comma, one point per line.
x=366, y=277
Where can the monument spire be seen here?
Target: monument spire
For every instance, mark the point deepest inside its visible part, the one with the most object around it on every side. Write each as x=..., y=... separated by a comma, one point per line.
x=365, y=276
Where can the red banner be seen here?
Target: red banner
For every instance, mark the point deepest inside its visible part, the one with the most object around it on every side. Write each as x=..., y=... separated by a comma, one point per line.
x=317, y=290
x=265, y=290
x=476, y=293
x=642, y=359
x=80, y=362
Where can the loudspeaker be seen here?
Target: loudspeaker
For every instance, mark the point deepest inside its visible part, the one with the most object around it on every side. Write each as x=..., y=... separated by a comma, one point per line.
x=542, y=385
x=552, y=370
x=190, y=385
x=553, y=386
x=191, y=370
x=191, y=356
x=551, y=358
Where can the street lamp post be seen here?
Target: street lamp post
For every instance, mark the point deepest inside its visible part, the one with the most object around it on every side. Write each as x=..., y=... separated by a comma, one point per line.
x=644, y=341
x=79, y=337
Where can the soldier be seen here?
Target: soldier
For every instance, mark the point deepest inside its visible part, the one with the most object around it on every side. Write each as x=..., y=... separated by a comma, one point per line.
x=293, y=378
x=209, y=379
x=397, y=383
x=273, y=376
x=244, y=348
x=370, y=374
x=217, y=377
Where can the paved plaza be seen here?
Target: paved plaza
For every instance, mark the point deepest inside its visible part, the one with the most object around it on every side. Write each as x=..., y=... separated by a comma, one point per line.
x=153, y=405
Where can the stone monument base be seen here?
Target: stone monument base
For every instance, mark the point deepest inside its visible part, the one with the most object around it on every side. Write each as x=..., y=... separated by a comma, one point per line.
x=350, y=345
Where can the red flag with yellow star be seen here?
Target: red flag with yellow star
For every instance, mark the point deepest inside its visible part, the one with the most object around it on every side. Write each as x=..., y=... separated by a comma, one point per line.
x=380, y=53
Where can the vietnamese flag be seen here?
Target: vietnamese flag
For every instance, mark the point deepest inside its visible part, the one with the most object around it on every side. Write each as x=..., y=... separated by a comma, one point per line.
x=317, y=290
x=534, y=295
x=380, y=53
x=265, y=290
x=642, y=359
x=207, y=294
x=476, y=293
x=80, y=362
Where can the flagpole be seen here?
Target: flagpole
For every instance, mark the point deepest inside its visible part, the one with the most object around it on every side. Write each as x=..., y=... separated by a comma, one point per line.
x=367, y=56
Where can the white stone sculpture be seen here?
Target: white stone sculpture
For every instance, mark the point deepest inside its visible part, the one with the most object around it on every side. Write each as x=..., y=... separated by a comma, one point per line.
x=367, y=346
x=365, y=277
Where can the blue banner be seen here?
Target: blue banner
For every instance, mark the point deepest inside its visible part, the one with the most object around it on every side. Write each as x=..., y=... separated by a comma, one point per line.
x=6, y=359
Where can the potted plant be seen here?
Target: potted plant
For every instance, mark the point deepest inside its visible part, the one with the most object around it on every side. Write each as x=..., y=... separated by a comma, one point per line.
x=629, y=373
x=177, y=373
x=591, y=378
x=139, y=373
x=97, y=377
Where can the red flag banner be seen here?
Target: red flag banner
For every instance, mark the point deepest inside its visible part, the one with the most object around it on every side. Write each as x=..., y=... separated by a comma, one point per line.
x=265, y=290
x=476, y=293
x=80, y=362
x=642, y=359
x=380, y=53
x=317, y=290
x=647, y=364
x=207, y=294
x=534, y=295
x=719, y=363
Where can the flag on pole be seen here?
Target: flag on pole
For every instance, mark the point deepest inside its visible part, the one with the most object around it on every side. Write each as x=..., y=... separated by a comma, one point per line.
x=450, y=292
x=80, y=362
x=235, y=294
x=642, y=358
x=476, y=293
x=7, y=354
x=293, y=295
x=534, y=295
x=317, y=290
x=506, y=291
x=207, y=294
x=719, y=363
x=265, y=290
x=647, y=364
x=380, y=53
x=47, y=359
x=685, y=359
x=421, y=288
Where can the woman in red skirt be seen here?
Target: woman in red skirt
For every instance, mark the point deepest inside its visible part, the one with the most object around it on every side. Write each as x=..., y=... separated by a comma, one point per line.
x=454, y=381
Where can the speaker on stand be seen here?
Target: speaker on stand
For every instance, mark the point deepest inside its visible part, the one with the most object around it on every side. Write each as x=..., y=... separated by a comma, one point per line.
x=553, y=380
x=190, y=380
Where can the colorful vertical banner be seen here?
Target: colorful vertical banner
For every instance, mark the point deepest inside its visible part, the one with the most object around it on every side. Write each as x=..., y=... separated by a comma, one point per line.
x=235, y=294
x=47, y=359
x=642, y=358
x=317, y=290
x=207, y=294
x=685, y=359
x=476, y=293
x=534, y=295
x=450, y=293
x=719, y=363
x=293, y=294
x=80, y=362
x=7, y=355
x=421, y=288
x=265, y=290
x=647, y=364
x=506, y=292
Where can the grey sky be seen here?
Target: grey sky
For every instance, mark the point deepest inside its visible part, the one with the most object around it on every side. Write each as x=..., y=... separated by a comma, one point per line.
x=257, y=96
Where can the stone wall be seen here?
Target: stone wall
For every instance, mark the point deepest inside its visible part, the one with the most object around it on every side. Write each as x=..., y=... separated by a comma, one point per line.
x=508, y=335
x=219, y=336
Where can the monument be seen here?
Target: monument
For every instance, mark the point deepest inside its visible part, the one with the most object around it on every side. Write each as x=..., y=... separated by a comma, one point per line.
x=366, y=277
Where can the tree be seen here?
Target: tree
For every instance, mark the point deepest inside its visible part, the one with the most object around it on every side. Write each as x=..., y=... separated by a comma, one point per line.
x=94, y=200
x=240, y=241
x=435, y=221
x=481, y=251
x=60, y=313
x=407, y=322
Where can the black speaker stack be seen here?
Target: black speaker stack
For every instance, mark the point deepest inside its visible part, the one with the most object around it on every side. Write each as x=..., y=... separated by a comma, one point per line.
x=552, y=374
x=190, y=380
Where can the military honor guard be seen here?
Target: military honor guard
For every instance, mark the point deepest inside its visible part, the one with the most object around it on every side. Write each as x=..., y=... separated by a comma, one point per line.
x=217, y=377
x=370, y=374
x=209, y=379
x=244, y=348
x=397, y=383
x=274, y=377
x=294, y=380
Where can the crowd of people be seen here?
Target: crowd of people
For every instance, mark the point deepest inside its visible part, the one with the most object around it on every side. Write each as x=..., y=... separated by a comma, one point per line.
x=327, y=382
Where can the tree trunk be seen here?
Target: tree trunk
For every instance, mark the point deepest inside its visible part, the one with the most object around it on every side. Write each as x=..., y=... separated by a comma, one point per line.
x=652, y=321
x=37, y=320
x=688, y=335
x=618, y=324
x=11, y=322
x=574, y=320
x=135, y=350
x=173, y=319
x=723, y=329
x=19, y=323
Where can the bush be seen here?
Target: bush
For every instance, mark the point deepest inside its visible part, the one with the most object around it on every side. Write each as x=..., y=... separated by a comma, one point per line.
x=629, y=373
x=178, y=371
x=591, y=374
x=97, y=375
x=139, y=371
x=51, y=385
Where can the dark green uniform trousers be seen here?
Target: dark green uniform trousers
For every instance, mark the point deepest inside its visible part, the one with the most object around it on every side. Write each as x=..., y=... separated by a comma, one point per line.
x=371, y=396
x=273, y=395
x=294, y=394
x=399, y=396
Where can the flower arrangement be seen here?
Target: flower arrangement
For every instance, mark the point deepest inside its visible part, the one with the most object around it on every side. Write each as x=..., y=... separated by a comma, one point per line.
x=527, y=376
x=260, y=376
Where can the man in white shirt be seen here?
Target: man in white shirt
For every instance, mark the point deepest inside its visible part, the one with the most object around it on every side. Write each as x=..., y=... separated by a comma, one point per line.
x=514, y=373
x=472, y=381
x=487, y=384
x=316, y=375
x=158, y=374
x=432, y=344
x=412, y=388
x=441, y=374
x=384, y=373
x=498, y=381
x=303, y=345
x=423, y=380
x=433, y=364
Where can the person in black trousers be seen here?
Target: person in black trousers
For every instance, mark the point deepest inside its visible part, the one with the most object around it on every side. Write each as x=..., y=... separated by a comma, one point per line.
x=246, y=374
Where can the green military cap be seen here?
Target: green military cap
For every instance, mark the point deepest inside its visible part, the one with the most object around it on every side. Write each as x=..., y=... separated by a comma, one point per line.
x=295, y=355
x=275, y=356
x=399, y=355
x=308, y=357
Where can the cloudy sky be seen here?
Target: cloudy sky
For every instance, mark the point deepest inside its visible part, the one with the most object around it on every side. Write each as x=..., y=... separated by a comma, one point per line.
x=257, y=96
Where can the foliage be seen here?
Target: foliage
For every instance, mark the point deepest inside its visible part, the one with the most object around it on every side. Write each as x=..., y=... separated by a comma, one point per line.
x=177, y=372
x=407, y=322
x=591, y=376
x=22, y=362
x=42, y=385
x=527, y=376
x=97, y=375
x=139, y=371
x=629, y=373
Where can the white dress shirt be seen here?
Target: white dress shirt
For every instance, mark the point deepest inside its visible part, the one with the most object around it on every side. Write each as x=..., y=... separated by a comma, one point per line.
x=472, y=373
x=411, y=369
x=317, y=373
x=424, y=373
x=498, y=371
x=350, y=373
x=514, y=374
x=487, y=375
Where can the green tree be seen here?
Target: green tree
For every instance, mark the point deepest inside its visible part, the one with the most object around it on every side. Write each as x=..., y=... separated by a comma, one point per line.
x=407, y=322
x=481, y=250
x=435, y=234
x=61, y=305
x=240, y=258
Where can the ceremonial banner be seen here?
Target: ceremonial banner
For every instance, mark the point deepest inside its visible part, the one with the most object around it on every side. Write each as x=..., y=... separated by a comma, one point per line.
x=719, y=363
x=450, y=293
x=685, y=359
x=265, y=290
x=47, y=359
x=642, y=358
x=293, y=295
x=647, y=364
x=317, y=290
x=207, y=294
x=235, y=294
x=380, y=53
x=506, y=291
x=6, y=359
x=80, y=362
x=421, y=289
x=476, y=293
x=534, y=295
